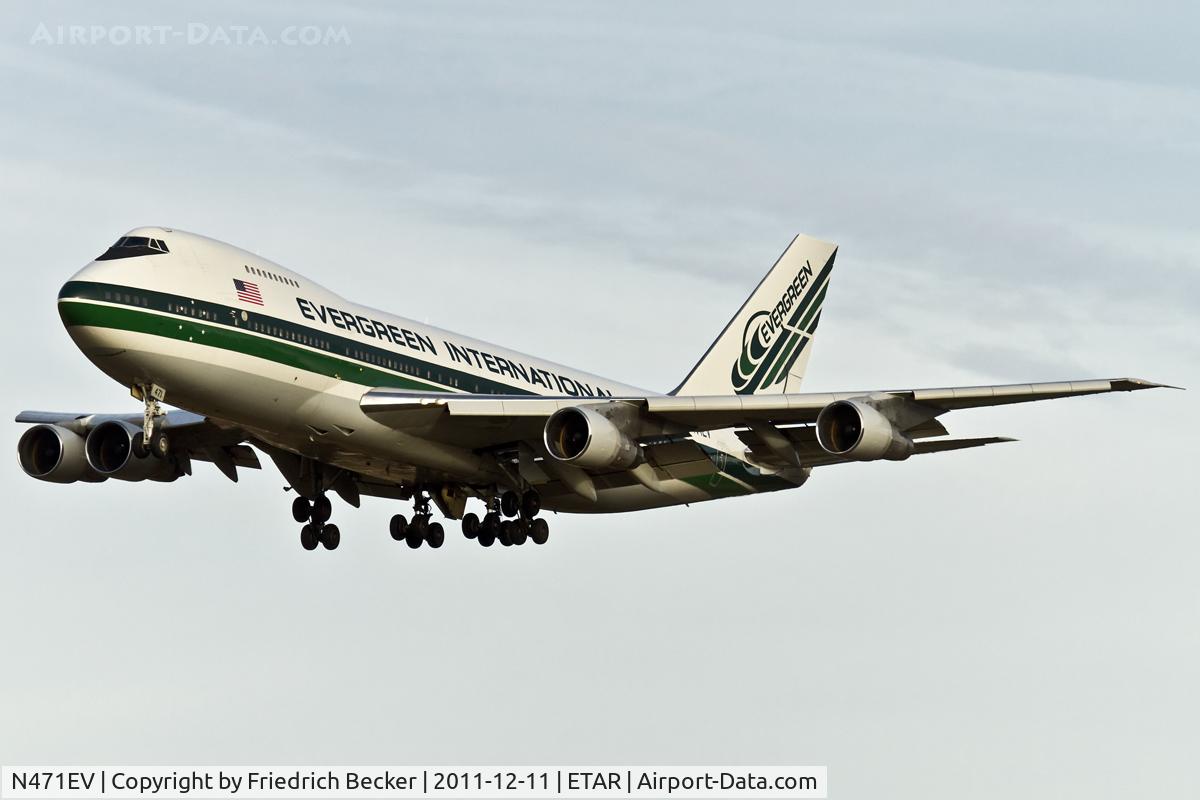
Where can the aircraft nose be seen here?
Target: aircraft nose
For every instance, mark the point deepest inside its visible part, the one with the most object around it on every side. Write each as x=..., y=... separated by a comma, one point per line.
x=75, y=284
x=90, y=310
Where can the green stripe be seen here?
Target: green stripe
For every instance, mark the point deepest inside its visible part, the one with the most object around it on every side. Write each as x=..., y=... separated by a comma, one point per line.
x=785, y=361
x=717, y=485
x=810, y=302
x=212, y=335
x=779, y=362
x=813, y=301
x=199, y=314
x=732, y=476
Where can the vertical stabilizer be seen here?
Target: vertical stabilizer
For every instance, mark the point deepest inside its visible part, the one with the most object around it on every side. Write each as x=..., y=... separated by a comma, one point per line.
x=765, y=347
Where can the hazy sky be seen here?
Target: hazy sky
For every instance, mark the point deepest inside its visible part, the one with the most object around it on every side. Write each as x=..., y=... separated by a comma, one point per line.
x=1014, y=190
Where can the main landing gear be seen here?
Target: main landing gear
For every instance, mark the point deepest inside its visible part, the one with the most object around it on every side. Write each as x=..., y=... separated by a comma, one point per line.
x=527, y=526
x=420, y=529
x=317, y=529
x=511, y=519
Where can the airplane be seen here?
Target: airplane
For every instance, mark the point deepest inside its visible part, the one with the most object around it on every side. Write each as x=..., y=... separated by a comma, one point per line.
x=347, y=399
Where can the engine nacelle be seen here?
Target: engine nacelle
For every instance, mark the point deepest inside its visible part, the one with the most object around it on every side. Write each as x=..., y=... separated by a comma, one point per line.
x=114, y=450
x=586, y=438
x=855, y=430
x=56, y=454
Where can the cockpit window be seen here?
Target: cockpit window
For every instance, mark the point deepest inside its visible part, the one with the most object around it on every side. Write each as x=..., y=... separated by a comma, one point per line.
x=130, y=246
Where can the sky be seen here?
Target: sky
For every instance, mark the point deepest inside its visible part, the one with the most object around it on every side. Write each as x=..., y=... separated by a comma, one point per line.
x=1013, y=190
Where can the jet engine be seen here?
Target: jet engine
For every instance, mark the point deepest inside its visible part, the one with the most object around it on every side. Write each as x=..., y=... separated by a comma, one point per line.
x=586, y=438
x=855, y=430
x=56, y=454
x=114, y=449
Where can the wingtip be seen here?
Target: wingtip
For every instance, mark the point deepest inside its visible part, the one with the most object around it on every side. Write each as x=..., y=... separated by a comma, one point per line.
x=1135, y=384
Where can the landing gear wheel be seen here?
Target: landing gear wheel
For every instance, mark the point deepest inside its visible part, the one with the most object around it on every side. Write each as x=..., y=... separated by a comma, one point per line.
x=489, y=529
x=160, y=445
x=520, y=532
x=416, y=532
x=308, y=537
x=510, y=504
x=435, y=535
x=531, y=504
x=331, y=537
x=471, y=526
x=301, y=510
x=506, y=533
x=398, y=526
x=539, y=531
x=322, y=509
x=139, y=446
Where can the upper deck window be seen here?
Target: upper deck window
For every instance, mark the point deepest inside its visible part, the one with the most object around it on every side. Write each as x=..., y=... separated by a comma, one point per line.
x=130, y=246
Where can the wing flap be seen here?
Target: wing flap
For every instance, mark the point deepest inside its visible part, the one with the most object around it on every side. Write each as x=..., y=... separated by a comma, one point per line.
x=920, y=448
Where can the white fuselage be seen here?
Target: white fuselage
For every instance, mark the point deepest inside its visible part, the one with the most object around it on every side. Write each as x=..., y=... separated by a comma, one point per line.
x=291, y=370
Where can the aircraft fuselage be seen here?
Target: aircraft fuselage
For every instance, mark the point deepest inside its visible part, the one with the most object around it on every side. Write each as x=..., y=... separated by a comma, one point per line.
x=254, y=345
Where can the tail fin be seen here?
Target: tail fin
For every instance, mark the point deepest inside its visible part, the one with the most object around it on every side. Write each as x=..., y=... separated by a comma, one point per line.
x=765, y=347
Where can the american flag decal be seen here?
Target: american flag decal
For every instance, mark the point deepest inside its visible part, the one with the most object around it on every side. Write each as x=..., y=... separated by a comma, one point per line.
x=248, y=292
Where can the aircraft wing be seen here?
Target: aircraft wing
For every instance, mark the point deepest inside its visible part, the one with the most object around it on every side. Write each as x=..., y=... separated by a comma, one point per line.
x=764, y=421
x=199, y=437
x=699, y=413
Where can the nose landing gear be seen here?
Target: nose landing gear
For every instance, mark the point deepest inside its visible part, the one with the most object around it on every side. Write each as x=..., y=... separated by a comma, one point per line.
x=154, y=439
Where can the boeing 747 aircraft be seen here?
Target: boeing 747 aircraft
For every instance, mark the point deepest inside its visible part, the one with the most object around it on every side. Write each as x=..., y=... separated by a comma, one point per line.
x=348, y=399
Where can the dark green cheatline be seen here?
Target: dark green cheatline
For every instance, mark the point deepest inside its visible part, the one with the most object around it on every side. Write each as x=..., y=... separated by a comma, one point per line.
x=214, y=335
x=264, y=336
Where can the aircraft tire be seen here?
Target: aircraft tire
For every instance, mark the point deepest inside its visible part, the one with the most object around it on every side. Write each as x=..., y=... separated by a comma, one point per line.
x=510, y=504
x=531, y=504
x=301, y=510
x=331, y=537
x=398, y=527
x=435, y=535
x=539, y=531
x=520, y=532
x=322, y=509
x=505, y=537
x=487, y=537
x=471, y=526
x=160, y=445
x=416, y=532
x=308, y=537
